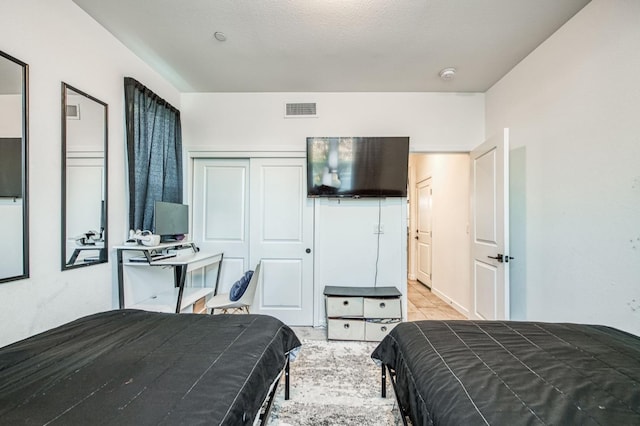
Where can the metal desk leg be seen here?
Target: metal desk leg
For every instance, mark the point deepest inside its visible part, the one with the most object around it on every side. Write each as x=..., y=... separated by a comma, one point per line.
x=215, y=290
x=180, y=275
x=73, y=257
x=120, y=279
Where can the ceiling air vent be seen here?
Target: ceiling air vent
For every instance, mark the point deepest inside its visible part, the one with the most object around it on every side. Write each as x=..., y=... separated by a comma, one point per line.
x=300, y=110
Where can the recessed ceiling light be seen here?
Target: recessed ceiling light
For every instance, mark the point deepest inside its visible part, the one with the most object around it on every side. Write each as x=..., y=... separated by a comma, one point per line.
x=447, y=74
x=219, y=36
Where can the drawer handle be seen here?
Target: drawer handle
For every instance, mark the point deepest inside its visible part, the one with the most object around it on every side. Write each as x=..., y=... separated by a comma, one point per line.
x=345, y=303
x=383, y=328
x=382, y=305
x=346, y=326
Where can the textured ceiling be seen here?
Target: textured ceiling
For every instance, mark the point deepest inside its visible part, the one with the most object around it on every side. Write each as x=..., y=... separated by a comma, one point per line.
x=332, y=45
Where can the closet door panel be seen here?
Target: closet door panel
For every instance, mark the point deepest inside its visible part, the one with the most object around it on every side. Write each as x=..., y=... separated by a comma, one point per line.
x=220, y=215
x=282, y=237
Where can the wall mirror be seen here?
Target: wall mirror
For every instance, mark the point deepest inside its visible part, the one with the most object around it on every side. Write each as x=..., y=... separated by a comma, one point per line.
x=14, y=217
x=84, y=179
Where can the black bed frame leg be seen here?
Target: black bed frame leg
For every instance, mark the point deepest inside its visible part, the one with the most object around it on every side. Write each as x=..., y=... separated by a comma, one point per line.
x=286, y=380
x=384, y=381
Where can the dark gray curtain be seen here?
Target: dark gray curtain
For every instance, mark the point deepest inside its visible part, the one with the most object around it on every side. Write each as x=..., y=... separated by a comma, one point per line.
x=154, y=153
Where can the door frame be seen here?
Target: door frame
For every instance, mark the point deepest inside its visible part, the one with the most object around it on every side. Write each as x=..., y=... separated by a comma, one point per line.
x=412, y=208
x=457, y=304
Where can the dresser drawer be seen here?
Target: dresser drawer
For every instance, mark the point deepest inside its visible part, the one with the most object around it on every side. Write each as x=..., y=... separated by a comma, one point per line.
x=344, y=306
x=374, y=331
x=345, y=329
x=382, y=308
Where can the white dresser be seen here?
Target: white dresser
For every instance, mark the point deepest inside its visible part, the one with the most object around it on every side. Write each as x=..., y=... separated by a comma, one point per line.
x=361, y=313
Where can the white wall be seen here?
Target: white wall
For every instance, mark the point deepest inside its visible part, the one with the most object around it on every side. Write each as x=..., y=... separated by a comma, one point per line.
x=434, y=121
x=60, y=42
x=449, y=173
x=345, y=242
x=573, y=107
x=349, y=253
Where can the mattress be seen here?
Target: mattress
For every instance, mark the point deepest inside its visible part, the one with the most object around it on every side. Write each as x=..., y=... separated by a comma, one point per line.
x=135, y=367
x=508, y=373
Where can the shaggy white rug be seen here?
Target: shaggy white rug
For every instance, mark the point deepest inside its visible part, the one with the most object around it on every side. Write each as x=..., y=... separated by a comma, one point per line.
x=334, y=383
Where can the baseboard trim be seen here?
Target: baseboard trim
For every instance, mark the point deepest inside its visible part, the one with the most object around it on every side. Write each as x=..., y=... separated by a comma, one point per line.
x=451, y=302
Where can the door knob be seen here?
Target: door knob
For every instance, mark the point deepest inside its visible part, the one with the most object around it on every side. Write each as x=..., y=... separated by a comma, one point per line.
x=501, y=258
x=308, y=250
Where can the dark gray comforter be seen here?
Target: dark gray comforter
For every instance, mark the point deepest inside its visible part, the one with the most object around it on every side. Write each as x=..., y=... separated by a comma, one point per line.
x=514, y=373
x=134, y=367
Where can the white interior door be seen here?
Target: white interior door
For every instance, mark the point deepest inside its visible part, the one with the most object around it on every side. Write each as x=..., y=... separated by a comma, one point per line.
x=282, y=238
x=490, y=229
x=220, y=212
x=424, y=231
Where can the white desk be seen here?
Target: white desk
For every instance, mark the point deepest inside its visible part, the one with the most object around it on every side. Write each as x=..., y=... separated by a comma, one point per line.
x=182, y=264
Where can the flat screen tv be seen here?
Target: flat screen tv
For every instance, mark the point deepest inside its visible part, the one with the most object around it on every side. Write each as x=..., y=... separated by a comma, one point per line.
x=11, y=167
x=170, y=220
x=357, y=166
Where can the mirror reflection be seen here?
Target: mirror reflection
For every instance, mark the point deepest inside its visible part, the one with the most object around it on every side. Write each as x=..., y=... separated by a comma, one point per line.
x=84, y=179
x=14, y=258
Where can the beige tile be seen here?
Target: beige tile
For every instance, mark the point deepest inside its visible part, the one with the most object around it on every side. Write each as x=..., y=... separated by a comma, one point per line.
x=414, y=291
x=416, y=316
x=433, y=314
x=411, y=307
x=423, y=304
x=423, y=289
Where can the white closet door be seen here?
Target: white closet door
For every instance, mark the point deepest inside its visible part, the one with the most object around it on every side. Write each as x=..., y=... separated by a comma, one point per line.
x=256, y=209
x=424, y=231
x=220, y=212
x=282, y=237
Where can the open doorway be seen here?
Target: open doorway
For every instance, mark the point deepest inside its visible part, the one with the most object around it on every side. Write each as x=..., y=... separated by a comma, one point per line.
x=438, y=236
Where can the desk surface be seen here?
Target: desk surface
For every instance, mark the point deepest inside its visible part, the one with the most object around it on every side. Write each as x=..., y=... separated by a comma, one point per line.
x=158, y=247
x=186, y=259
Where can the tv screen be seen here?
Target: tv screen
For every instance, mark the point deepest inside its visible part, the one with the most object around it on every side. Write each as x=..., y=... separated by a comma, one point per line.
x=11, y=167
x=170, y=220
x=357, y=166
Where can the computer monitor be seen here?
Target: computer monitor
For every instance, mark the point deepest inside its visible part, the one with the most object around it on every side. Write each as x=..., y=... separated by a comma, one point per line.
x=170, y=220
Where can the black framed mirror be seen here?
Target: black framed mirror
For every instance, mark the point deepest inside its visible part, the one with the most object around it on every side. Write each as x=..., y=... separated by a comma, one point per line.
x=84, y=179
x=14, y=208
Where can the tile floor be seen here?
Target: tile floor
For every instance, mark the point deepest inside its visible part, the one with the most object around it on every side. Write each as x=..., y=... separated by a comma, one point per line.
x=422, y=304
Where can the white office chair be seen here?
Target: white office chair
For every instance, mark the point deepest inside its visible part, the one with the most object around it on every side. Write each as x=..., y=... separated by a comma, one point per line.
x=222, y=301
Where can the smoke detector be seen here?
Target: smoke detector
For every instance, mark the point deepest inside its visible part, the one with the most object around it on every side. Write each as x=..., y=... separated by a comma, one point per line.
x=447, y=74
